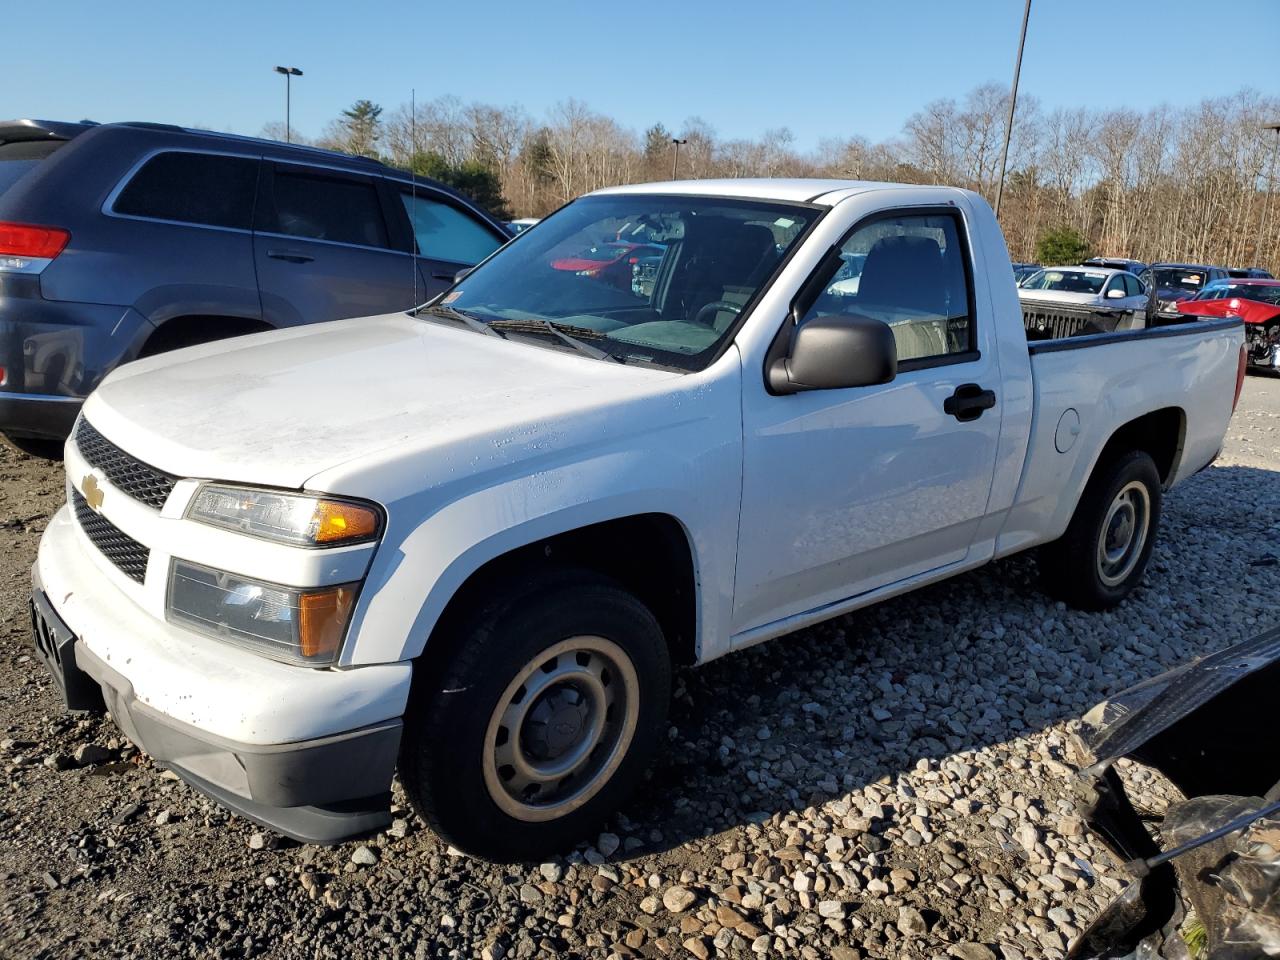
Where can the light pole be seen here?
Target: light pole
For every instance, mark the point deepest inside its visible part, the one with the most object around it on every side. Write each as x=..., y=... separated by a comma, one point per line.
x=1013, y=102
x=289, y=74
x=675, y=161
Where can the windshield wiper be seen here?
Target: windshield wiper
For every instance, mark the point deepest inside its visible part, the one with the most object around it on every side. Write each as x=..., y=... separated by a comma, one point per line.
x=450, y=313
x=560, y=331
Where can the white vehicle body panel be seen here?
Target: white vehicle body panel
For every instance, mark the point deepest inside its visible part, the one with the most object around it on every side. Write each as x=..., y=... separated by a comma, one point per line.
x=1104, y=393
x=894, y=487
x=277, y=408
x=795, y=508
x=220, y=690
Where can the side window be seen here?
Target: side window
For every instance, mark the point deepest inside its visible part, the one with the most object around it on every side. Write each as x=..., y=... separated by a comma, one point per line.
x=204, y=188
x=1131, y=285
x=444, y=232
x=1116, y=283
x=908, y=271
x=320, y=207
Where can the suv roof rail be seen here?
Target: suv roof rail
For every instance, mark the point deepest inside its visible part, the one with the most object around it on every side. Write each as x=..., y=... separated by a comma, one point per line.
x=262, y=141
x=153, y=125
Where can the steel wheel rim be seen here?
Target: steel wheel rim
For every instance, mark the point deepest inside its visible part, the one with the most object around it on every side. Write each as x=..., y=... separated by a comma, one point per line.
x=561, y=728
x=1124, y=533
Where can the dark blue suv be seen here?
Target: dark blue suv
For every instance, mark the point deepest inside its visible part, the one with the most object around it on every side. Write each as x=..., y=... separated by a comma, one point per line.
x=123, y=240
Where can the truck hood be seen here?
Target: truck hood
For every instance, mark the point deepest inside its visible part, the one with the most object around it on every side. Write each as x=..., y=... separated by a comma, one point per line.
x=276, y=409
x=1061, y=296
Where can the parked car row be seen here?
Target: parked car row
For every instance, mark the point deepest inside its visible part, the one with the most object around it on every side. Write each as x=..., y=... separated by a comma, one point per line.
x=126, y=240
x=1256, y=301
x=1107, y=294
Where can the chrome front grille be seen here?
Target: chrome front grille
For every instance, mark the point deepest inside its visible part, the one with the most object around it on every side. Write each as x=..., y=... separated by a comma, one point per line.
x=127, y=474
x=129, y=556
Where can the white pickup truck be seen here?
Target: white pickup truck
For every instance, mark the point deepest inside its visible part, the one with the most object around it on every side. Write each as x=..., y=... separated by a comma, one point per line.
x=466, y=544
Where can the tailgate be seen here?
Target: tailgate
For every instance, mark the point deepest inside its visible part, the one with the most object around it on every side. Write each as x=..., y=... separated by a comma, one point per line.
x=1048, y=320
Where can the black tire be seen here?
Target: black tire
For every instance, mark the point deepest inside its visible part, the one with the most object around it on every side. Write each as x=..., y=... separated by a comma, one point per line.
x=45, y=448
x=448, y=760
x=1075, y=568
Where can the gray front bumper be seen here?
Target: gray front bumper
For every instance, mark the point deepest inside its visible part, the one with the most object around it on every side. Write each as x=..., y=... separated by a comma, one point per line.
x=316, y=791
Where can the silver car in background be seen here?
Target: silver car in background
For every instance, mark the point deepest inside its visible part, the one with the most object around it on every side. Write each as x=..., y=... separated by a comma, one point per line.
x=1070, y=301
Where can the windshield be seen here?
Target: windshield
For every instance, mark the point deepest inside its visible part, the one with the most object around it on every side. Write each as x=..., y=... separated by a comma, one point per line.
x=1070, y=281
x=1263, y=293
x=1176, y=278
x=644, y=279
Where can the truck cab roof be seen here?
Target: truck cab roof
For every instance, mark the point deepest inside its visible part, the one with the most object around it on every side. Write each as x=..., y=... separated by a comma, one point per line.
x=794, y=190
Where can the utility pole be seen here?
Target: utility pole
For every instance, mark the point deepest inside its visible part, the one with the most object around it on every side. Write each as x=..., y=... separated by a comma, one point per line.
x=289, y=74
x=675, y=161
x=1271, y=195
x=1013, y=102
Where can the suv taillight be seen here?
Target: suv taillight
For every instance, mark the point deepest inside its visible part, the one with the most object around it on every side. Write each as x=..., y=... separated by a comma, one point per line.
x=27, y=248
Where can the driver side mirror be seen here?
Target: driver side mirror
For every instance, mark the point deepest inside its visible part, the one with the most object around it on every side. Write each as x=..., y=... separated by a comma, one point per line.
x=835, y=352
x=1115, y=294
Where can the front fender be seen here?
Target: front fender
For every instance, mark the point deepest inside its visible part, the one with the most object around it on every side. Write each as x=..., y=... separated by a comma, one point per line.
x=690, y=471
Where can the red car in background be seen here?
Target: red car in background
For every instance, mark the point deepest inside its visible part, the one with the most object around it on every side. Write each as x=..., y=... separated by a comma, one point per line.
x=610, y=262
x=1257, y=303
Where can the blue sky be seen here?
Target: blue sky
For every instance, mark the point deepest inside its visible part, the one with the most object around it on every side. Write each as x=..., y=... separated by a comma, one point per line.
x=820, y=67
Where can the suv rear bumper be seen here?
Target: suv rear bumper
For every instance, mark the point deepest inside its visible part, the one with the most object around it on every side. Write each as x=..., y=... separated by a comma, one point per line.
x=54, y=353
x=38, y=415
x=329, y=780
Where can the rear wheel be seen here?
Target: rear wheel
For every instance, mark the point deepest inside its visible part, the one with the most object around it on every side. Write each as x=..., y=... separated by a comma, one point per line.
x=1104, y=553
x=541, y=721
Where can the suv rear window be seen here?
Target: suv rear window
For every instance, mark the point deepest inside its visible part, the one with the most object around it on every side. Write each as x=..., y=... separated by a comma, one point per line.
x=21, y=156
x=204, y=188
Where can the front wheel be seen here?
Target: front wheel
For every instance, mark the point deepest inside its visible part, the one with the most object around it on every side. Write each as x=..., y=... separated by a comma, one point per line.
x=1104, y=552
x=541, y=721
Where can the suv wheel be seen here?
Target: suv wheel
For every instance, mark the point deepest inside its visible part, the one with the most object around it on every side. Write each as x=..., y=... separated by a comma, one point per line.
x=541, y=722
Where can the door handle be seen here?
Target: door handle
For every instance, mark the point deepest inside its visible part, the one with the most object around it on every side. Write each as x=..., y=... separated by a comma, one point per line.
x=444, y=276
x=289, y=255
x=968, y=402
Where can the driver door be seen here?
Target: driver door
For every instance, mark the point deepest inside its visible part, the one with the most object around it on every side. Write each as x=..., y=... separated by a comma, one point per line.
x=849, y=490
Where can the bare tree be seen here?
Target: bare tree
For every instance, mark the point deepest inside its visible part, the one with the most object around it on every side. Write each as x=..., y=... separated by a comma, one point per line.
x=1195, y=183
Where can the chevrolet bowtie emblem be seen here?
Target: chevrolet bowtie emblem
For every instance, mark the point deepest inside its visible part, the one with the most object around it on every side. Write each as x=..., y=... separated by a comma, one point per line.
x=92, y=492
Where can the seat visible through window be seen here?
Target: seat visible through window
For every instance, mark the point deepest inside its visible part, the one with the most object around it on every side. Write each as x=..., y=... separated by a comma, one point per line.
x=913, y=279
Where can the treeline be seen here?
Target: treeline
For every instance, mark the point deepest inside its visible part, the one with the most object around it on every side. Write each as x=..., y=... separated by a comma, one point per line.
x=1172, y=183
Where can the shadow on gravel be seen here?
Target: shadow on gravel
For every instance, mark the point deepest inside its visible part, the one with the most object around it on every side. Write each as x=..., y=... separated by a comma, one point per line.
x=973, y=662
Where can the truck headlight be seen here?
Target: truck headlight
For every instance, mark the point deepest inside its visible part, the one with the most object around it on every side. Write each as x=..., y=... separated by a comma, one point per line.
x=294, y=518
x=303, y=626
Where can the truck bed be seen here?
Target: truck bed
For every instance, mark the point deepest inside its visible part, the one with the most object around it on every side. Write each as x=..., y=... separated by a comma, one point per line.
x=1088, y=386
x=1050, y=320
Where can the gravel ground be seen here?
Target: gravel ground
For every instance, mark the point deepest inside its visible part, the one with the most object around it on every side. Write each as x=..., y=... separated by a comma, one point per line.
x=889, y=784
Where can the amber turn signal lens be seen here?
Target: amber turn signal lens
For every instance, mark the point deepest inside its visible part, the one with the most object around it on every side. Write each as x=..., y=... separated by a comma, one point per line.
x=322, y=618
x=336, y=521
